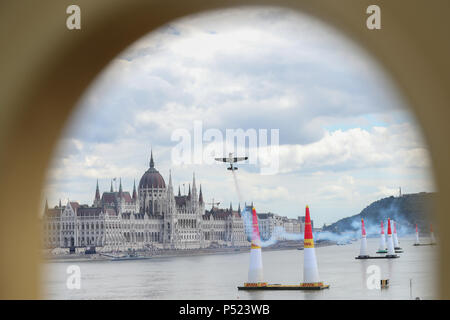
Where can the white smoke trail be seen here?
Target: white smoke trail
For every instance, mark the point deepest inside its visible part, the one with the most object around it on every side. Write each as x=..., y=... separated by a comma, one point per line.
x=279, y=233
x=236, y=184
x=331, y=236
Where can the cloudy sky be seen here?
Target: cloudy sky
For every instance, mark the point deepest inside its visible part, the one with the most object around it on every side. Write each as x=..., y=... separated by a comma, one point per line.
x=346, y=138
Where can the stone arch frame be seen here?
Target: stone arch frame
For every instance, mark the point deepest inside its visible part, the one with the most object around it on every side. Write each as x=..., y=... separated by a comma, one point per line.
x=37, y=96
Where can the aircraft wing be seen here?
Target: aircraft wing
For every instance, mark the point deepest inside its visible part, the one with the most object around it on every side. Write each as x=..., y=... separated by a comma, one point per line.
x=236, y=159
x=230, y=160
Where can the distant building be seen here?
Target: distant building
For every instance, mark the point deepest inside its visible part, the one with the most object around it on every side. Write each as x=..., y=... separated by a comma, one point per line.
x=269, y=221
x=151, y=217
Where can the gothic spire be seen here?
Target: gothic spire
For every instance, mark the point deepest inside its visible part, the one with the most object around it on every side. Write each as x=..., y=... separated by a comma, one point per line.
x=200, y=197
x=134, y=190
x=194, y=188
x=120, y=188
x=179, y=191
x=231, y=207
x=46, y=205
x=111, y=190
x=189, y=194
x=239, y=208
x=152, y=163
x=193, y=181
x=97, y=192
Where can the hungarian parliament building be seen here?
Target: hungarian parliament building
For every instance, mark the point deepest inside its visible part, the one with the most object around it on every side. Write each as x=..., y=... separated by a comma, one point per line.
x=151, y=218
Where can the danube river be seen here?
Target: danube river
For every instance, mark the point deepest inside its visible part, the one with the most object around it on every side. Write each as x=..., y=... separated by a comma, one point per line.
x=217, y=276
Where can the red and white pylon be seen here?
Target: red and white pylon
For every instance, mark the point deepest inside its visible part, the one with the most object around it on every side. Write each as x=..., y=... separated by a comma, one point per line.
x=255, y=271
x=390, y=242
x=396, y=244
x=432, y=238
x=417, y=236
x=310, y=270
x=363, y=249
x=382, y=248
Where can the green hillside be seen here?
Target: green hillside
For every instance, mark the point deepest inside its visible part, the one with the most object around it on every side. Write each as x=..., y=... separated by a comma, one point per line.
x=407, y=210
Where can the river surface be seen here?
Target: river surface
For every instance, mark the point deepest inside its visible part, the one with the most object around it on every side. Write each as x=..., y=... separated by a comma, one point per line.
x=217, y=276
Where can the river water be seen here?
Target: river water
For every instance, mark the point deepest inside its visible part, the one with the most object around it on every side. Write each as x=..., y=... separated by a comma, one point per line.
x=217, y=276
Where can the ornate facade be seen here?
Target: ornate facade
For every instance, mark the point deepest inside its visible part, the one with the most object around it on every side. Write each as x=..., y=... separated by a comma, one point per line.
x=152, y=218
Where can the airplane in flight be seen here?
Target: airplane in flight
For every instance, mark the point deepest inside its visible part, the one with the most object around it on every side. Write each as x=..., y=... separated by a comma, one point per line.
x=231, y=160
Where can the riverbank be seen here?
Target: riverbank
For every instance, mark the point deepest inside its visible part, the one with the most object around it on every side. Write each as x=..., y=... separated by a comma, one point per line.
x=285, y=245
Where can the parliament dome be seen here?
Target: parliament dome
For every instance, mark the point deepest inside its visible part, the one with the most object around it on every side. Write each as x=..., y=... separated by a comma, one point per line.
x=152, y=178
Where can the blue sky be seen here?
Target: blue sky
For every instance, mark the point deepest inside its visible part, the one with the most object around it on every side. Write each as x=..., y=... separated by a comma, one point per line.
x=346, y=137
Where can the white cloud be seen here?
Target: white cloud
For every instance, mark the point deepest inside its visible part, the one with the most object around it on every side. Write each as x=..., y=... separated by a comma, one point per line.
x=393, y=146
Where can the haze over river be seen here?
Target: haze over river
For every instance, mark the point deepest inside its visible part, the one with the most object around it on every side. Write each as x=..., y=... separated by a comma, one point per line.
x=217, y=276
